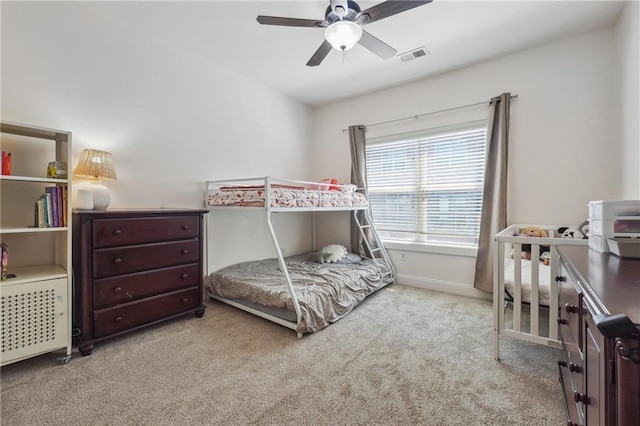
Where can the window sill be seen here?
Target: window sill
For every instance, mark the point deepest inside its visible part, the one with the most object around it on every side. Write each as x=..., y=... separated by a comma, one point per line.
x=452, y=250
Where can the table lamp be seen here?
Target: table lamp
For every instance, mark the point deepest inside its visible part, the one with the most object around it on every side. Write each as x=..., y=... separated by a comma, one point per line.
x=97, y=165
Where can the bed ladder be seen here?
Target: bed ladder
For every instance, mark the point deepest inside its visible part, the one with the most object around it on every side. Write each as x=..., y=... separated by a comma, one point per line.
x=367, y=223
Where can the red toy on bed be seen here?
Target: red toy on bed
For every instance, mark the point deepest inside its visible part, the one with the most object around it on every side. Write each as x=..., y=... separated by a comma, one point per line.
x=332, y=184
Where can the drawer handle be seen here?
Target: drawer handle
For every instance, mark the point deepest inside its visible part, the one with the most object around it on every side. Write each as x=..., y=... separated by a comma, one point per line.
x=562, y=321
x=581, y=397
x=560, y=278
x=571, y=309
x=117, y=232
x=117, y=319
x=185, y=251
x=185, y=300
x=575, y=368
x=117, y=260
x=117, y=289
x=627, y=353
x=185, y=276
x=185, y=227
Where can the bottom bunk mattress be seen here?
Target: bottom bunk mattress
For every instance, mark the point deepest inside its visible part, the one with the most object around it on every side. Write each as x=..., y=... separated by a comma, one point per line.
x=326, y=292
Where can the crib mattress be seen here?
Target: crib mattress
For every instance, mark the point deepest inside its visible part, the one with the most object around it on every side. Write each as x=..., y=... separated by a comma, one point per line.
x=544, y=279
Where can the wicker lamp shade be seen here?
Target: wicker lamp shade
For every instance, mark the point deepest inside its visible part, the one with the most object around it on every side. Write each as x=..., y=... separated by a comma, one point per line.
x=95, y=164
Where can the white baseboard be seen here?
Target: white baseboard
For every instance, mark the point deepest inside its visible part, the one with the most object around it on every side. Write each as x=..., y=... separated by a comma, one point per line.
x=443, y=286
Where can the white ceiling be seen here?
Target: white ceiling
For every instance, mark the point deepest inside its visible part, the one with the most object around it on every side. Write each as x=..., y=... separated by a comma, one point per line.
x=456, y=33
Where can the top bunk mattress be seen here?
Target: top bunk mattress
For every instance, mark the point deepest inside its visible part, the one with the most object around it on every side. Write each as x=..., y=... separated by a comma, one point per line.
x=312, y=195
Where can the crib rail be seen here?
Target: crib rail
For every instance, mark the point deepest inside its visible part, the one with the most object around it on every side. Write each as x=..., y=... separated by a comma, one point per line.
x=523, y=326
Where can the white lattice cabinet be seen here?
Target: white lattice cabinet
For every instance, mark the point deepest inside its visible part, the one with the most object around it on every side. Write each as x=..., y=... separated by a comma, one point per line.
x=35, y=311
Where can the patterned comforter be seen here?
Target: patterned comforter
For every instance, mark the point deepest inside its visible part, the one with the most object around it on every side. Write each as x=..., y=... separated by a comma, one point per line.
x=285, y=196
x=326, y=292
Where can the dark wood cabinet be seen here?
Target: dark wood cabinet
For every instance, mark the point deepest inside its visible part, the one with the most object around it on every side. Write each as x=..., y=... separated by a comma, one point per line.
x=599, y=320
x=134, y=268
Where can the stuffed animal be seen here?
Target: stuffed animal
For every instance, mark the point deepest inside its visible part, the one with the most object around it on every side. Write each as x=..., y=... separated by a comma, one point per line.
x=334, y=252
x=584, y=228
x=578, y=232
x=533, y=231
x=570, y=232
x=329, y=254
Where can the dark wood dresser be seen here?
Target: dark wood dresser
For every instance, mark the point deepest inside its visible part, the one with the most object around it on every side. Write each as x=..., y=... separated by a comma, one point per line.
x=134, y=268
x=600, y=329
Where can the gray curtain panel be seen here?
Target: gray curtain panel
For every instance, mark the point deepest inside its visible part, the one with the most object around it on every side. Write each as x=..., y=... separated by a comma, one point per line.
x=494, y=197
x=357, y=143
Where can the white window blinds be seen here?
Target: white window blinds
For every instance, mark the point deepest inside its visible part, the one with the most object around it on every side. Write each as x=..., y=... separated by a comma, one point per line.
x=428, y=189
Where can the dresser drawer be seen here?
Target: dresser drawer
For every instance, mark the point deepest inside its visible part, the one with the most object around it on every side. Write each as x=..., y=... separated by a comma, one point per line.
x=127, y=231
x=123, y=317
x=124, y=260
x=127, y=288
x=568, y=389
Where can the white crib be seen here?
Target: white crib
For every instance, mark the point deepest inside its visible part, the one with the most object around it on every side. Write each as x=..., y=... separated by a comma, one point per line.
x=519, y=284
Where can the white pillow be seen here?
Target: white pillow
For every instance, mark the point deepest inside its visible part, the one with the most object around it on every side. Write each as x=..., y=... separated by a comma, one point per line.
x=333, y=252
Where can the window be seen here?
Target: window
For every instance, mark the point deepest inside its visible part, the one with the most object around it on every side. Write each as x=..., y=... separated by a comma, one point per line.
x=428, y=189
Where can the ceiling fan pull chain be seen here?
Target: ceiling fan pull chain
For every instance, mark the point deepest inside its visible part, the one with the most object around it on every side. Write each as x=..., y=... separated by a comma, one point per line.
x=344, y=55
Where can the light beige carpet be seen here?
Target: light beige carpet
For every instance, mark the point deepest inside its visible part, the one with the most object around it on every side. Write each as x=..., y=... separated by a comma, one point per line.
x=406, y=356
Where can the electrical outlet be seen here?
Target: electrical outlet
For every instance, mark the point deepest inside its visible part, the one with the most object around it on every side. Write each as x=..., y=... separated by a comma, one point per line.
x=403, y=256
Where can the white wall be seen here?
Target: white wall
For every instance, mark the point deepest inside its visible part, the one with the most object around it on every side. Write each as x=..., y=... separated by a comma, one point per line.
x=565, y=133
x=628, y=58
x=171, y=120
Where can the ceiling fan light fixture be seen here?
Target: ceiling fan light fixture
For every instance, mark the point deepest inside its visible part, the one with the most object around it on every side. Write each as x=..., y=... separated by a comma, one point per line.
x=343, y=35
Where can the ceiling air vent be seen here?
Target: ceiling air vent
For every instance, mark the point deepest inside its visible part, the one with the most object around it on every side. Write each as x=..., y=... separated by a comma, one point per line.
x=413, y=54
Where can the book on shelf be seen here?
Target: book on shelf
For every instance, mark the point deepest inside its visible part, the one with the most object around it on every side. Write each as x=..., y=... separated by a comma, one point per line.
x=51, y=208
x=52, y=196
x=65, y=204
x=39, y=222
x=61, y=221
x=4, y=260
x=47, y=202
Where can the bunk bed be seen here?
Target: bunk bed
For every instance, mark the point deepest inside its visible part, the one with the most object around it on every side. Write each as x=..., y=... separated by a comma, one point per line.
x=526, y=285
x=301, y=292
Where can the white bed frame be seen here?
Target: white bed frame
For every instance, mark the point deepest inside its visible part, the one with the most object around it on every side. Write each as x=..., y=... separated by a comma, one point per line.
x=377, y=253
x=504, y=242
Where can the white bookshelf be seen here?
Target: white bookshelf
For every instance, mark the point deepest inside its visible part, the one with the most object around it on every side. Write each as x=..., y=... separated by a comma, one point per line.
x=36, y=298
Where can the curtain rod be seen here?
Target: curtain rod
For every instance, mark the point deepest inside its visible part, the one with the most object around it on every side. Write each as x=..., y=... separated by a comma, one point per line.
x=515, y=95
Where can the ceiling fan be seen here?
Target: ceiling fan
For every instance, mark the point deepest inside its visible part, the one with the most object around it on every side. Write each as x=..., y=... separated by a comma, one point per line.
x=343, y=23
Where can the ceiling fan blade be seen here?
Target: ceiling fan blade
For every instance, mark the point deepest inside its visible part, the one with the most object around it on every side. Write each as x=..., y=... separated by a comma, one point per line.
x=320, y=54
x=388, y=8
x=290, y=22
x=377, y=46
